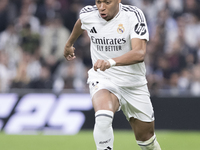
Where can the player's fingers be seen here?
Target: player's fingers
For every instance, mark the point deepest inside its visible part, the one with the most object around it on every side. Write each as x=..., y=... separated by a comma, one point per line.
x=70, y=57
x=97, y=65
x=69, y=51
x=102, y=65
x=105, y=65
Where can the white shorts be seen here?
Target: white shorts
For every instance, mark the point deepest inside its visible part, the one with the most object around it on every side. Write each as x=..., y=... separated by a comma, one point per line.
x=134, y=101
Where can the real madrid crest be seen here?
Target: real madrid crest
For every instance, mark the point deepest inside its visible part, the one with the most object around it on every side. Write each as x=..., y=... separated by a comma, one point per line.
x=120, y=29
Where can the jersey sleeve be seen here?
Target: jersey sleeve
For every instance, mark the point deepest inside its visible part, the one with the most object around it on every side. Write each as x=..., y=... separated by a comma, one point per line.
x=82, y=15
x=139, y=27
x=85, y=15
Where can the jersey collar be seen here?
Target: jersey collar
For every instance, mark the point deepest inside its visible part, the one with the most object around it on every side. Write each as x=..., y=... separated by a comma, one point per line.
x=120, y=6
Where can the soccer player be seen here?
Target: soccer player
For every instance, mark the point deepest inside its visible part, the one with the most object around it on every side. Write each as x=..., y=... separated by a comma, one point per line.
x=118, y=35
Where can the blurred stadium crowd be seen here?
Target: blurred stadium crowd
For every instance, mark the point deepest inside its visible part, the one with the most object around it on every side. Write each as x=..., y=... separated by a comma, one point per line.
x=33, y=34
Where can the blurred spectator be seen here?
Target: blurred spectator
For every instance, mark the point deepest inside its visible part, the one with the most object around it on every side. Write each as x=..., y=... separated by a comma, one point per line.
x=176, y=59
x=26, y=17
x=83, y=50
x=198, y=53
x=44, y=81
x=184, y=80
x=73, y=73
x=29, y=41
x=29, y=69
x=47, y=10
x=53, y=41
x=71, y=15
x=21, y=80
x=6, y=72
x=8, y=13
x=192, y=31
x=195, y=84
x=175, y=7
x=9, y=41
x=192, y=7
x=173, y=81
x=170, y=28
x=33, y=65
x=30, y=5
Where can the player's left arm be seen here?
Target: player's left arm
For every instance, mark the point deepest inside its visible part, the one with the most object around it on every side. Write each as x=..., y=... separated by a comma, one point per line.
x=136, y=55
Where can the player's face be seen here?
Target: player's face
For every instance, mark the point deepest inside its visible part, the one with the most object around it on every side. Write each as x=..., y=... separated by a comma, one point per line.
x=108, y=8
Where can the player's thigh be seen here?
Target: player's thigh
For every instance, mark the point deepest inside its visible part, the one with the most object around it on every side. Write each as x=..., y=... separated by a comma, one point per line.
x=105, y=100
x=136, y=103
x=143, y=130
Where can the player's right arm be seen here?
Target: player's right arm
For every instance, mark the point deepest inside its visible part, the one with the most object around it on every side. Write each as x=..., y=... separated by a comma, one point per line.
x=76, y=32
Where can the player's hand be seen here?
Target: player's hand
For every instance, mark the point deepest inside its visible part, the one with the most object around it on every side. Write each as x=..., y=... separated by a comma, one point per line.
x=102, y=65
x=69, y=52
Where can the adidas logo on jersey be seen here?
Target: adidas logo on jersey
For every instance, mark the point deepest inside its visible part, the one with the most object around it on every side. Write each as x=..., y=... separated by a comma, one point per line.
x=93, y=30
x=108, y=148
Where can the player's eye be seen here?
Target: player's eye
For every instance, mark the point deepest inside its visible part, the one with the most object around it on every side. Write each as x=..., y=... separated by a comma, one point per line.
x=107, y=2
x=98, y=2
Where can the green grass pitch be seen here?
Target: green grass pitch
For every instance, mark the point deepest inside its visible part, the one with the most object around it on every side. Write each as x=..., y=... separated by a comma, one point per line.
x=124, y=140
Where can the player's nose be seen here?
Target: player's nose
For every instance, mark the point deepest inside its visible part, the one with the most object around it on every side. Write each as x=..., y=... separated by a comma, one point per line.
x=102, y=7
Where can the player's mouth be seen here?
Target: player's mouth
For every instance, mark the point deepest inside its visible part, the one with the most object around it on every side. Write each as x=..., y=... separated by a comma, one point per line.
x=103, y=15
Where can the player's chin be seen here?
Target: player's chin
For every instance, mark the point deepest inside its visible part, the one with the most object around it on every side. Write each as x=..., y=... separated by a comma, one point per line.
x=107, y=18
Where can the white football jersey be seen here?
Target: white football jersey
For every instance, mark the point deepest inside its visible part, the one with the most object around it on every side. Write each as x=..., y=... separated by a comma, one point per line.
x=110, y=39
